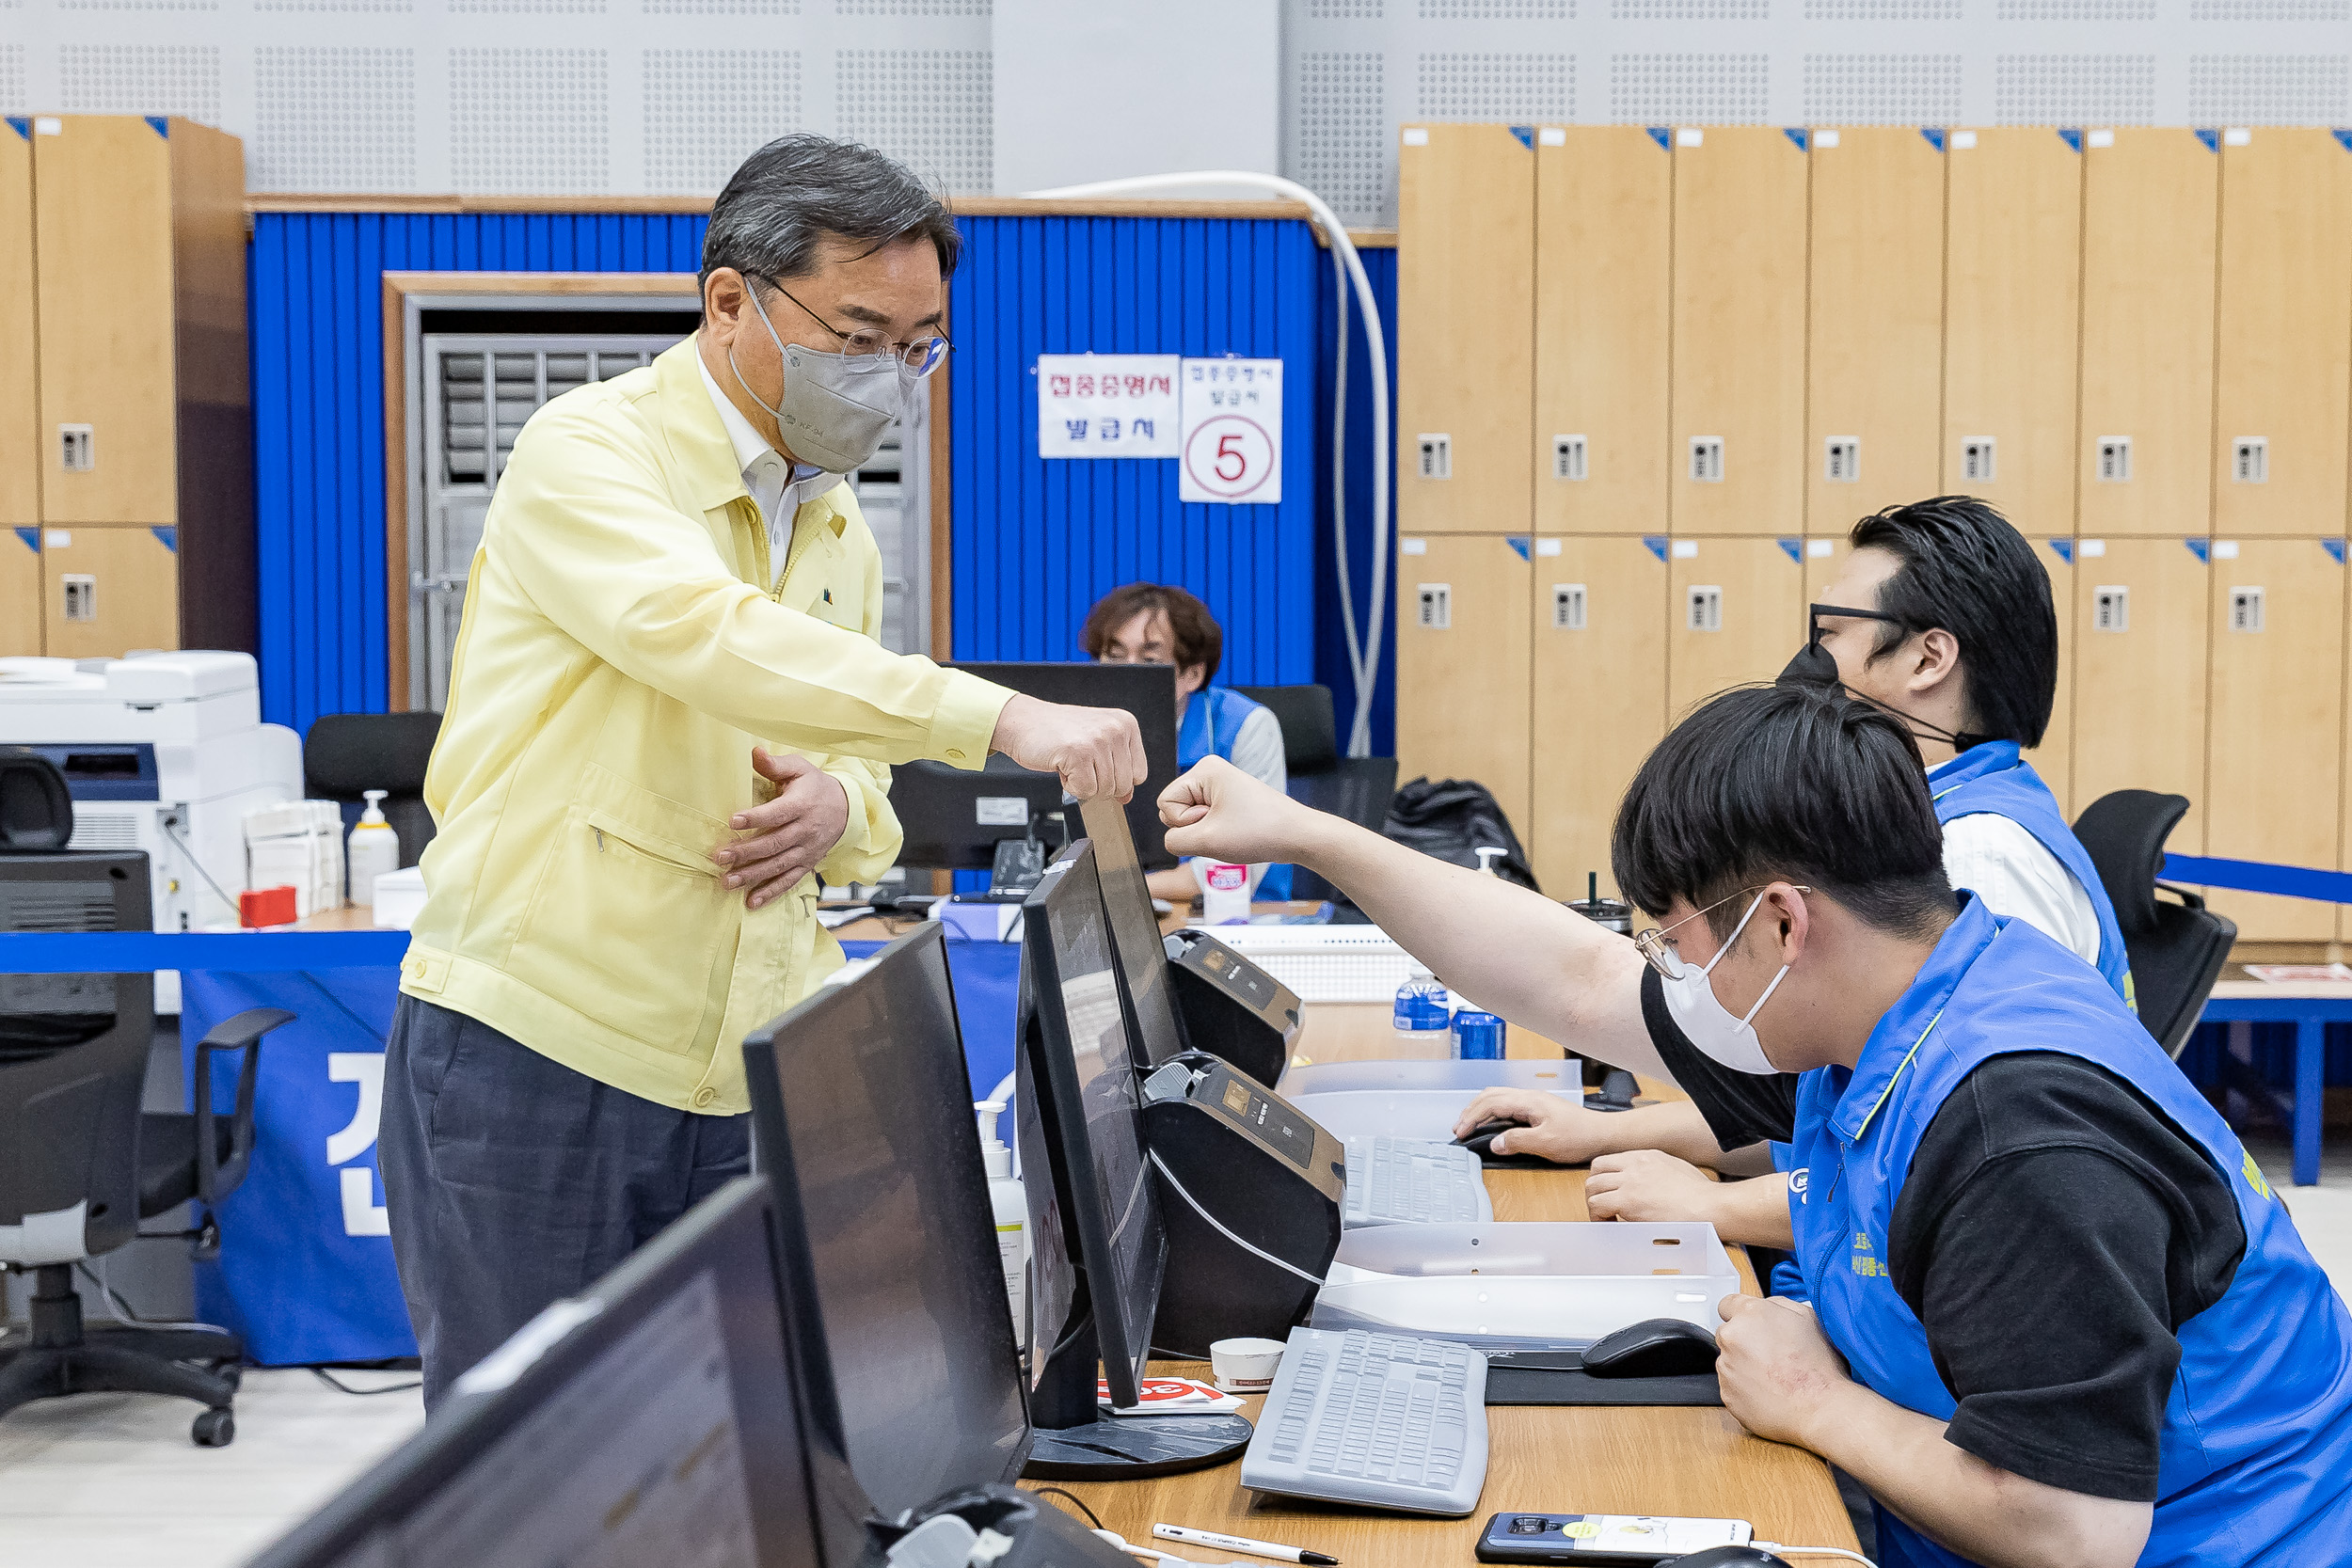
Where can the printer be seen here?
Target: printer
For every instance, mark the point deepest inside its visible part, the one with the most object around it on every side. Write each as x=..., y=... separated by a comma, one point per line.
x=163, y=753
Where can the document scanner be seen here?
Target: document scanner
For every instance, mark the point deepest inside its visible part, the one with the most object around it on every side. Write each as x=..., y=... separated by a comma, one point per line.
x=1230, y=1008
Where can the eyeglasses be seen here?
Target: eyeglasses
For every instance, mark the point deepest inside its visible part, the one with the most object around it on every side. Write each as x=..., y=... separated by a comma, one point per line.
x=1652, y=943
x=866, y=346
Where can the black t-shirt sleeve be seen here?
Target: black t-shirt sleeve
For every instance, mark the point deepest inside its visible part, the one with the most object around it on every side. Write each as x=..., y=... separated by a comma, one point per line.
x=1740, y=1108
x=2053, y=1233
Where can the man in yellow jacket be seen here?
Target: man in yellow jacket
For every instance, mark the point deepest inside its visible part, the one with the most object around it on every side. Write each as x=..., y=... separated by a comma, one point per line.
x=667, y=710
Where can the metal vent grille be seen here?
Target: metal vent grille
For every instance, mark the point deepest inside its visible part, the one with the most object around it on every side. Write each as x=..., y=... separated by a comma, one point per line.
x=1882, y=89
x=140, y=79
x=334, y=119
x=722, y=8
x=2077, y=10
x=1498, y=10
x=13, y=94
x=2271, y=10
x=520, y=381
x=913, y=8
x=528, y=121
x=1882, y=10
x=139, y=5
x=2074, y=89
x=1343, y=134
x=1498, y=86
x=929, y=108
x=1690, y=10
x=1345, y=11
x=2269, y=89
x=1713, y=90
x=707, y=109
x=333, y=5
x=102, y=830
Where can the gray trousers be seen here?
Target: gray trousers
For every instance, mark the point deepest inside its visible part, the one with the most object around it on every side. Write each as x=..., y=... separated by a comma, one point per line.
x=513, y=1180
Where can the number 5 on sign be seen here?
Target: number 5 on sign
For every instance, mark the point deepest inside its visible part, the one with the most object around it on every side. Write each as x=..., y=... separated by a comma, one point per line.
x=1232, y=431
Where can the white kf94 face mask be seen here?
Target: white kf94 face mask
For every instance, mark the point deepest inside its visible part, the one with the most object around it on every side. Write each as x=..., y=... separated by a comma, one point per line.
x=1706, y=1023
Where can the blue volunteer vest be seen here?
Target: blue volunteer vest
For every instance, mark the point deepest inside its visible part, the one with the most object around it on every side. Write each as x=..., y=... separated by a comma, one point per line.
x=2255, y=1457
x=1993, y=778
x=1213, y=717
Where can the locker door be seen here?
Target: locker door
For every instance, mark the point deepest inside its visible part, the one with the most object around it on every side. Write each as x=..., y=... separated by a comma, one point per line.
x=2274, y=759
x=1738, y=332
x=2140, y=675
x=1824, y=559
x=102, y=206
x=2149, y=214
x=1604, y=219
x=20, y=591
x=1600, y=695
x=1465, y=329
x=2053, y=759
x=106, y=591
x=1874, y=370
x=1734, y=611
x=2280, y=372
x=20, y=412
x=2014, y=263
x=1462, y=662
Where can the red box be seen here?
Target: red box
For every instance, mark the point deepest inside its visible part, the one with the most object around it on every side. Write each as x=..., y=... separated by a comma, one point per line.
x=266, y=906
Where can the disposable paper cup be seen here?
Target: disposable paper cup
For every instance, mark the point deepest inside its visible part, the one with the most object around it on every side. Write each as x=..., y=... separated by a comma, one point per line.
x=1246, y=1366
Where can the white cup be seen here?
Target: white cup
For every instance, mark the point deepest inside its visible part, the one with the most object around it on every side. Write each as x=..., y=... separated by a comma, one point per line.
x=1246, y=1366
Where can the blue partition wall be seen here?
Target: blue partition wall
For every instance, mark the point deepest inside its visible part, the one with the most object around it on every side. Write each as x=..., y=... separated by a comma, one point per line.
x=1035, y=543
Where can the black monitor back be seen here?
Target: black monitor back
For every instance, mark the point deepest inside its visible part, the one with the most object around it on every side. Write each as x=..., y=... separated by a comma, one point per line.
x=863, y=1119
x=652, y=1420
x=1146, y=691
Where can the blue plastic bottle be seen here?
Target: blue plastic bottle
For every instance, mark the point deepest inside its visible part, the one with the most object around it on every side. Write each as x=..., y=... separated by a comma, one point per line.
x=1424, y=1017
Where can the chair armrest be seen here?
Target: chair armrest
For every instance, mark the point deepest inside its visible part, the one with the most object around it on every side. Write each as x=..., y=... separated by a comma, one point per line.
x=214, y=1179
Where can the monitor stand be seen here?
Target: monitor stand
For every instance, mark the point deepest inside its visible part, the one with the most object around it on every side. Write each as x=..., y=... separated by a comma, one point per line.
x=1074, y=1440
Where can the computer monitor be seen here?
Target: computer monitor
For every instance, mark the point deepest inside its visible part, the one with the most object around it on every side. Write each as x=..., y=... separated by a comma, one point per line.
x=652, y=1420
x=1098, y=1241
x=1134, y=932
x=862, y=1116
x=953, y=818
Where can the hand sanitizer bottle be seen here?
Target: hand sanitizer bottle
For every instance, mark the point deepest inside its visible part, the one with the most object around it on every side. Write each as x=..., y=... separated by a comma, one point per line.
x=374, y=851
x=1010, y=1205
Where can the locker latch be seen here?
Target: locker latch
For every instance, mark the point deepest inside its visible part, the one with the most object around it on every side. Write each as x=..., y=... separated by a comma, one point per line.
x=1567, y=458
x=1437, y=456
x=1976, y=459
x=1706, y=608
x=1567, y=606
x=2249, y=460
x=1841, y=460
x=76, y=448
x=1706, y=459
x=1436, y=605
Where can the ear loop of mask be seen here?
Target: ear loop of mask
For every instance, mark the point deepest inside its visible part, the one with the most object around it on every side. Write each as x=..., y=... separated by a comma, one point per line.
x=752, y=289
x=1745, y=1022
x=1959, y=740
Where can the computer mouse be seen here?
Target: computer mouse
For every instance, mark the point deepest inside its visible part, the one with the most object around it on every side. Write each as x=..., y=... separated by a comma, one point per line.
x=1656, y=1347
x=1727, y=1556
x=1616, y=1092
x=1481, y=1140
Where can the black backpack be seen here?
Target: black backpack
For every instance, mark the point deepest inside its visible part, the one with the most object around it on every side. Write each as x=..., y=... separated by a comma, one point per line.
x=1451, y=819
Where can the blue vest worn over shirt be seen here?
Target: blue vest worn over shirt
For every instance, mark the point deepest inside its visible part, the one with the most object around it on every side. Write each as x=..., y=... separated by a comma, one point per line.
x=2255, y=1455
x=1213, y=717
x=1993, y=778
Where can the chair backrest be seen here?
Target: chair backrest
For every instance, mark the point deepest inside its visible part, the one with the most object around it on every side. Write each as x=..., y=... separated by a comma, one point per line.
x=1310, y=733
x=2177, y=949
x=74, y=1050
x=346, y=754
x=1357, y=788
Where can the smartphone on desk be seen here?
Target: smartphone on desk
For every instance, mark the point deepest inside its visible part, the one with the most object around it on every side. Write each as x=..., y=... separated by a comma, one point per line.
x=1603, y=1538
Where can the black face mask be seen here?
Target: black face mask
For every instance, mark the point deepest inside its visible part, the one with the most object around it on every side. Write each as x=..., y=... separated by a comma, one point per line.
x=1815, y=665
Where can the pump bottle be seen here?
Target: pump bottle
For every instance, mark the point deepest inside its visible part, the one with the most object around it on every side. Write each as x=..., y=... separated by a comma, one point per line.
x=1009, y=1204
x=374, y=850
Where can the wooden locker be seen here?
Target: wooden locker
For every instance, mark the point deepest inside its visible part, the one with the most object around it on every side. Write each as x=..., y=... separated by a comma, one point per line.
x=1465, y=329
x=1599, y=703
x=1462, y=654
x=2053, y=759
x=1604, y=226
x=2149, y=206
x=1875, y=314
x=20, y=591
x=1824, y=557
x=106, y=591
x=1754, y=622
x=1738, y=331
x=2140, y=641
x=20, y=411
x=2011, y=323
x=2274, y=753
x=2284, y=340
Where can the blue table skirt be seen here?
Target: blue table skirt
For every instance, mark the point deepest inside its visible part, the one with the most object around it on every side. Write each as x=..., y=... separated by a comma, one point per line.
x=305, y=1271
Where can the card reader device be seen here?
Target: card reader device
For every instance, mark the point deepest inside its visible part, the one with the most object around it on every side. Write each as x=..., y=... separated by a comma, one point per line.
x=1250, y=1193
x=1231, y=1007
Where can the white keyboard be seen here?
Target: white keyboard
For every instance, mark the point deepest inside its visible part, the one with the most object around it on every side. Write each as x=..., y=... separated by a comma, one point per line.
x=1324, y=963
x=1385, y=1419
x=1413, y=1181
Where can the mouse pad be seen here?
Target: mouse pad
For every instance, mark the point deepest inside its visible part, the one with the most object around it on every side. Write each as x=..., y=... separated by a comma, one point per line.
x=1518, y=1162
x=1545, y=1378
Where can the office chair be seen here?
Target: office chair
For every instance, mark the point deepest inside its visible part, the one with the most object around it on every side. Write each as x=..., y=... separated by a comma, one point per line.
x=348, y=754
x=1357, y=788
x=80, y=1165
x=2177, y=950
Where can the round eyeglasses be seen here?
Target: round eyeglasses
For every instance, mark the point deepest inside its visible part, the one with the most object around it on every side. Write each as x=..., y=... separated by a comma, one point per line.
x=1661, y=954
x=866, y=346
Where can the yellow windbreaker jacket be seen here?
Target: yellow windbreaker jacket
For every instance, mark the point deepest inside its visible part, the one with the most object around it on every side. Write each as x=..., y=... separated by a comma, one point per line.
x=620, y=655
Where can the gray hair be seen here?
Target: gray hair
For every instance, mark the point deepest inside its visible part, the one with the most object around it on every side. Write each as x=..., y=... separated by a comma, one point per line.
x=800, y=190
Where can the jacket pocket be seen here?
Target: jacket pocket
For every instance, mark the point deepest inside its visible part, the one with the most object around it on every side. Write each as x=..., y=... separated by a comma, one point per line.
x=624, y=927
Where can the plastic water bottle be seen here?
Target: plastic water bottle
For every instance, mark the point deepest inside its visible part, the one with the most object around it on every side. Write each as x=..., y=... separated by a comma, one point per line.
x=1009, y=1205
x=1424, y=1015
x=1478, y=1035
x=374, y=850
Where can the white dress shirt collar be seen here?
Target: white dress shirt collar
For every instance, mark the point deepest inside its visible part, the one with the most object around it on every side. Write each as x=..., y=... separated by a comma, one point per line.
x=778, y=486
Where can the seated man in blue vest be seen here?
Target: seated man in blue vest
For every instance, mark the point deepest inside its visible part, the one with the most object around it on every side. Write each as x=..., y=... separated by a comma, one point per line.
x=1151, y=623
x=2058, y=1315
x=1941, y=616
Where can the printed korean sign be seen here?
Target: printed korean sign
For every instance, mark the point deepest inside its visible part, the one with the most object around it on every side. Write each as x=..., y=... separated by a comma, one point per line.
x=1106, y=404
x=1232, y=431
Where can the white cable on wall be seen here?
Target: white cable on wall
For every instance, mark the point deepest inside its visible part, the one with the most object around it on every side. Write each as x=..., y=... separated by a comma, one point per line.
x=1363, y=651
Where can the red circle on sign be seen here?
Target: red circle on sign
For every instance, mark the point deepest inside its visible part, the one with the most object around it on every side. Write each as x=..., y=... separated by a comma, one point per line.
x=1208, y=449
